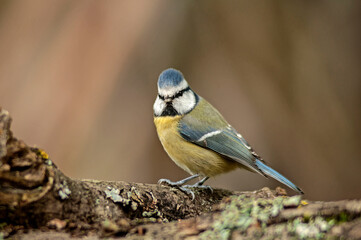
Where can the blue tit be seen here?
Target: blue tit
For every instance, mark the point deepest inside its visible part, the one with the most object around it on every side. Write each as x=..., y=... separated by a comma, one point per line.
x=198, y=139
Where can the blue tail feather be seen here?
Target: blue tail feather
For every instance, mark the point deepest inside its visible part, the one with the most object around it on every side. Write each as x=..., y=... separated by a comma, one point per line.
x=276, y=175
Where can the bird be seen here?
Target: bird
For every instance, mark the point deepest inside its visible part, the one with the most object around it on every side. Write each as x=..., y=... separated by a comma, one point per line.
x=198, y=138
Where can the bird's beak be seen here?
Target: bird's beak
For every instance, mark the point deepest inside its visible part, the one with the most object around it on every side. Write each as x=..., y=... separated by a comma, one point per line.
x=168, y=100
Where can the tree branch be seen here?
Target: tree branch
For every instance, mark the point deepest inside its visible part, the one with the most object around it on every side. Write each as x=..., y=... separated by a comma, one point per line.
x=35, y=195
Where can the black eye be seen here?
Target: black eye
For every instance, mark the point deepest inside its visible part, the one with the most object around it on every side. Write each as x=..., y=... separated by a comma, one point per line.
x=180, y=93
x=161, y=97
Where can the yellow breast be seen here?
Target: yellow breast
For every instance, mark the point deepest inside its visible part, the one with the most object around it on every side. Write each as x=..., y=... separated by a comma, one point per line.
x=188, y=156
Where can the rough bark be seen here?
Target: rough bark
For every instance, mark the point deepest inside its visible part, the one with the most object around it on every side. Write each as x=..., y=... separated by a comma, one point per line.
x=37, y=201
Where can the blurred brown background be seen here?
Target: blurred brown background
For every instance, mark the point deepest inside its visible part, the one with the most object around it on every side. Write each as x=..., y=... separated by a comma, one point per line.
x=79, y=79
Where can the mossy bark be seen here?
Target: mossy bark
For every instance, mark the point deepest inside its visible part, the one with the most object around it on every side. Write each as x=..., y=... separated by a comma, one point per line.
x=37, y=201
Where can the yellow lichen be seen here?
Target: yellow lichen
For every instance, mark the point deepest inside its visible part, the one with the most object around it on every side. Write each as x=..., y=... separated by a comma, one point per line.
x=43, y=154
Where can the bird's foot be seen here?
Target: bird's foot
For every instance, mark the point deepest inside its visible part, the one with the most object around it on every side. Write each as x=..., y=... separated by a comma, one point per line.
x=187, y=188
x=178, y=184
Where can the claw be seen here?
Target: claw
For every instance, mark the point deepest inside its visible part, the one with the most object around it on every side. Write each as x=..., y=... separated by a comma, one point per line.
x=164, y=180
x=206, y=187
x=187, y=191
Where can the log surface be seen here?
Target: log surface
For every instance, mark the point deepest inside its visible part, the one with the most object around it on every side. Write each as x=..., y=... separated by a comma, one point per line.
x=37, y=201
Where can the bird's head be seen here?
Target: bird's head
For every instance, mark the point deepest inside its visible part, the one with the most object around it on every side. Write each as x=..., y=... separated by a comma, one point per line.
x=175, y=97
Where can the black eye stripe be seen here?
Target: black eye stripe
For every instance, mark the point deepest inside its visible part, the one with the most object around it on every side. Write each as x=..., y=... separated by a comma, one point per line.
x=179, y=94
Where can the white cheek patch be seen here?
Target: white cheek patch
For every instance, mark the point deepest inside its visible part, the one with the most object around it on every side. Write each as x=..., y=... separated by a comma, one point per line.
x=158, y=106
x=172, y=90
x=185, y=103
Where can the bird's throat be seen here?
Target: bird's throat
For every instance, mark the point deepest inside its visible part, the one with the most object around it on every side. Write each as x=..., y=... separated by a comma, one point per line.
x=169, y=111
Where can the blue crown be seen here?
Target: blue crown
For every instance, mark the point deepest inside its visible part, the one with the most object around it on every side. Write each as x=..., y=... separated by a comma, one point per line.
x=170, y=78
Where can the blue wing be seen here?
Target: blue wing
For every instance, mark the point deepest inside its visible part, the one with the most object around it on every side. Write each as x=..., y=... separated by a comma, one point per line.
x=223, y=141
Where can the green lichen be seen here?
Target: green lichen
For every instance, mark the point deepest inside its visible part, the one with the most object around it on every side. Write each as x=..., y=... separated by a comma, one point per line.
x=343, y=217
x=292, y=201
x=134, y=200
x=140, y=221
x=134, y=206
x=64, y=191
x=315, y=228
x=242, y=213
x=110, y=226
x=48, y=162
x=155, y=213
x=2, y=226
x=114, y=195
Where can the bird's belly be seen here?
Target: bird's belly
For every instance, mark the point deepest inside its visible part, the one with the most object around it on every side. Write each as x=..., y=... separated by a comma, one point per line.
x=189, y=156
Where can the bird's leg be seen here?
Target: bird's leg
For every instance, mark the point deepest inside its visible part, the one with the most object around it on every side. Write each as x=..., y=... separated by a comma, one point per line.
x=179, y=183
x=200, y=185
